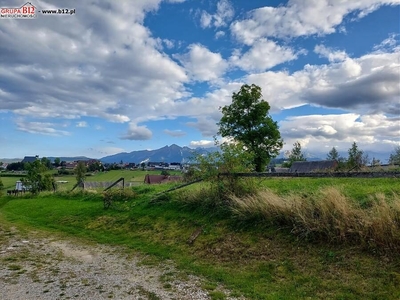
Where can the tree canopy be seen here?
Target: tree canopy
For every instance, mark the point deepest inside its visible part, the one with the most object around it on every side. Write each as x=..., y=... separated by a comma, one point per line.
x=247, y=121
x=333, y=155
x=356, y=158
x=80, y=172
x=296, y=154
x=394, y=158
x=36, y=179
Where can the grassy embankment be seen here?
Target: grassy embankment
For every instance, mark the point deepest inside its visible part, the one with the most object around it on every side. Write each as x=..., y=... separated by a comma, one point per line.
x=261, y=257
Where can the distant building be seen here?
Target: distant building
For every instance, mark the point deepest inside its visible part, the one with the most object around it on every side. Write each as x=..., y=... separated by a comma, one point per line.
x=313, y=166
x=30, y=159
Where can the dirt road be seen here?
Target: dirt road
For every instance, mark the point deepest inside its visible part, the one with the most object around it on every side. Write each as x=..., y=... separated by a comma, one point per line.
x=33, y=266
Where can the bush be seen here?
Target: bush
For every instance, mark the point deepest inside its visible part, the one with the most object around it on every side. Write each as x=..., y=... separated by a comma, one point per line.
x=218, y=170
x=113, y=197
x=165, y=173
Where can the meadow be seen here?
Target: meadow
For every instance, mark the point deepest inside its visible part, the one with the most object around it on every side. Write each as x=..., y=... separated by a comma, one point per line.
x=248, y=244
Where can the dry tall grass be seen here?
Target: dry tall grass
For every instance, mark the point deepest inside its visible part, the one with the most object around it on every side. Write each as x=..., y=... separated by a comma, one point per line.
x=329, y=215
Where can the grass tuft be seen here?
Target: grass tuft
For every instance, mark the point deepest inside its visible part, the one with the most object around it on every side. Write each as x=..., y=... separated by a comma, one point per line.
x=328, y=215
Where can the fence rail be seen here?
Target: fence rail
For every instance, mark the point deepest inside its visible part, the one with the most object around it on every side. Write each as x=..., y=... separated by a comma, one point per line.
x=319, y=174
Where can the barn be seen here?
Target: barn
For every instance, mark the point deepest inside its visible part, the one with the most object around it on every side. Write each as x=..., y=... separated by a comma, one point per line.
x=153, y=179
x=313, y=166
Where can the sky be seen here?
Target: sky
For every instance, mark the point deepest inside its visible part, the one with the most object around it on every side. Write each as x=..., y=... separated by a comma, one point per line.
x=120, y=76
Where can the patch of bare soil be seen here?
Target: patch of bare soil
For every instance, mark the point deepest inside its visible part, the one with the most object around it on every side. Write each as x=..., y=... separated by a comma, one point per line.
x=36, y=267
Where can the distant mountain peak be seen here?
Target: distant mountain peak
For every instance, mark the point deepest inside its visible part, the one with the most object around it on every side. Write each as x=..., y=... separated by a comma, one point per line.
x=168, y=154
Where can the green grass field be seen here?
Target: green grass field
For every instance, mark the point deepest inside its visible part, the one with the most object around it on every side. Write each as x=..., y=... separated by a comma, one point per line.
x=257, y=260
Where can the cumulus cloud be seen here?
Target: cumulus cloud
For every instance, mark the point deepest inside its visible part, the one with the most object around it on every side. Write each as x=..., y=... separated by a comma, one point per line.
x=369, y=83
x=175, y=133
x=136, y=132
x=263, y=55
x=223, y=15
x=371, y=132
x=203, y=64
x=332, y=56
x=301, y=18
x=201, y=143
x=90, y=64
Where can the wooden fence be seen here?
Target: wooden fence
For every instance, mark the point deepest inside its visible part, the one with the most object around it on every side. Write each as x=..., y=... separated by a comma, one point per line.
x=319, y=174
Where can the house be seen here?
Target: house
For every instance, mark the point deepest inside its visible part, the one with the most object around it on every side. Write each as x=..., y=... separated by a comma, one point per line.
x=71, y=165
x=313, y=166
x=30, y=159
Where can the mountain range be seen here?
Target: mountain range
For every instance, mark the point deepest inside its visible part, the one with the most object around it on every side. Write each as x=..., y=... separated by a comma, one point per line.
x=168, y=154
x=175, y=153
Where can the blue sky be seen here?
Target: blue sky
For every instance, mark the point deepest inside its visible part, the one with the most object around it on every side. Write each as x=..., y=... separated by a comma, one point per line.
x=120, y=76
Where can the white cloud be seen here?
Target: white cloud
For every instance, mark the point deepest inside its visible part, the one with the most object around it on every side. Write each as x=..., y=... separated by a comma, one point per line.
x=301, y=18
x=45, y=128
x=88, y=65
x=369, y=83
x=263, y=55
x=219, y=34
x=205, y=19
x=201, y=143
x=175, y=133
x=371, y=132
x=136, y=132
x=332, y=56
x=81, y=124
x=202, y=64
x=224, y=14
x=387, y=44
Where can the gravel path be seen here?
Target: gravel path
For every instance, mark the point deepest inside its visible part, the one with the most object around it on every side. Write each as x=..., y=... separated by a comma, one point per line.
x=37, y=267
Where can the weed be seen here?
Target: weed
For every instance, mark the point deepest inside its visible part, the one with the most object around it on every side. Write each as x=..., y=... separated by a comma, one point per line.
x=148, y=294
x=13, y=267
x=329, y=215
x=217, y=295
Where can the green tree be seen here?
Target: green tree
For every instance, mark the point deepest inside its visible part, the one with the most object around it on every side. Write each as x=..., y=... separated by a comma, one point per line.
x=394, y=158
x=356, y=158
x=17, y=166
x=296, y=154
x=333, y=155
x=143, y=165
x=57, y=162
x=35, y=178
x=80, y=172
x=96, y=166
x=231, y=159
x=46, y=162
x=248, y=122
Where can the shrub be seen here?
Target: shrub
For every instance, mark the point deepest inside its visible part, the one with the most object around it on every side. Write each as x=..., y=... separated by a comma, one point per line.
x=218, y=170
x=112, y=197
x=165, y=173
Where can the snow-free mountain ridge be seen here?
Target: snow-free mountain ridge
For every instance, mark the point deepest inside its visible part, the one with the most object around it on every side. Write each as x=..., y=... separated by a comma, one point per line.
x=167, y=154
